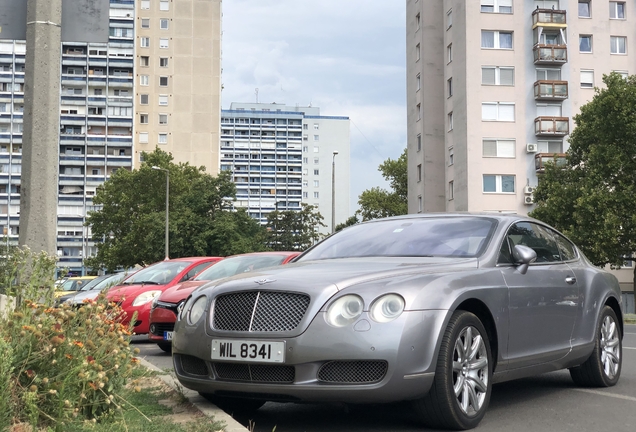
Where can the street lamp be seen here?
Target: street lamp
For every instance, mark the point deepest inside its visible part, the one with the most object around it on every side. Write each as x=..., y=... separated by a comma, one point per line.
x=333, y=191
x=167, y=201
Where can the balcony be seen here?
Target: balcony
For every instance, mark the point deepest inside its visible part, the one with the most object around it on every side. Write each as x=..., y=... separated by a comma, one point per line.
x=550, y=90
x=548, y=18
x=540, y=160
x=552, y=126
x=550, y=54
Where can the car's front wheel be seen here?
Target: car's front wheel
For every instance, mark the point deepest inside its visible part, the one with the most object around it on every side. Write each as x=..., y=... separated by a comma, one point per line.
x=603, y=367
x=460, y=393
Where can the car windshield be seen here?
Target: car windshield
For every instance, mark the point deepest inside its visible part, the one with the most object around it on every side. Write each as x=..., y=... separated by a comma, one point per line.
x=89, y=285
x=110, y=281
x=158, y=274
x=422, y=237
x=73, y=285
x=239, y=264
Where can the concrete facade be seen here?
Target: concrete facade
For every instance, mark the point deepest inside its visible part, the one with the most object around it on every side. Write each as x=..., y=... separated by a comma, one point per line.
x=493, y=90
x=282, y=156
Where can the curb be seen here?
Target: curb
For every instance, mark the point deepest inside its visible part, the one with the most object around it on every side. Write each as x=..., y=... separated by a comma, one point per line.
x=202, y=404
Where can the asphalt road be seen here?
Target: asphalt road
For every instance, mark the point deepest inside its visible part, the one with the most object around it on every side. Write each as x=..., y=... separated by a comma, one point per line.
x=545, y=403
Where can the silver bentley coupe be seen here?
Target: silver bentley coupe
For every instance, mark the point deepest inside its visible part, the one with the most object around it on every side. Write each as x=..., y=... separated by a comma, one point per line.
x=431, y=309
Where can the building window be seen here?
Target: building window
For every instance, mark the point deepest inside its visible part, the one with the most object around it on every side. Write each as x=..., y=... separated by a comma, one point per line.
x=451, y=156
x=617, y=10
x=496, y=6
x=145, y=23
x=164, y=5
x=163, y=119
x=163, y=100
x=163, y=43
x=163, y=62
x=162, y=138
x=316, y=183
x=585, y=43
x=144, y=42
x=449, y=86
x=449, y=19
x=305, y=149
x=498, y=111
x=316, y=172
x=145, y=4
x=418, y=82
x=495, y=75
x=419, y=142
x=143, y=99
x=163, y=81
x=143, y=80
x=417, y=21
x=144, y=61
x=499, y=183
x=316, y=194
x=316, y=126
x=419, y=112
x=316, y=149
x=316, y=138
x=419, y=173
x=449, y=53
x=450, y=121
x=548, y=74
x=584, y=9
x=496, y=39
x=623, y=74
x=305, y=160
x=587, y=79
x=143, y=137
x=451, y=190
x=163, y=24
x=549, y=146
x=419, y=203
x=417, y=52
x=305, y=194
x=498, y=148
x=143, y=118
x=618, y=45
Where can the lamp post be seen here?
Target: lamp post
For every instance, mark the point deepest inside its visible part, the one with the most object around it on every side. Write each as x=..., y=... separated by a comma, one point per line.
x=333, y=191
x=167, y=201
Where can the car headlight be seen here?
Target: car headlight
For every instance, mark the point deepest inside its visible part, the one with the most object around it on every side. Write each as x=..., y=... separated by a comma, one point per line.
x=146, y=297
x=386, y=308
x=197, y=309
x=155, y=300
x=345, y=310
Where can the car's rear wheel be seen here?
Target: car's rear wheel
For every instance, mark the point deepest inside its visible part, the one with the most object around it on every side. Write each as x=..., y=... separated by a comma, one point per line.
x=234, y=405
x=460, y=393
x=603, y=367
x=166, y=347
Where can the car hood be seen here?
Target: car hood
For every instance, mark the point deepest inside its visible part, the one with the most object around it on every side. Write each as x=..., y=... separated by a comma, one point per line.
x=180, y=291
x=85, y=295
x=117, y=293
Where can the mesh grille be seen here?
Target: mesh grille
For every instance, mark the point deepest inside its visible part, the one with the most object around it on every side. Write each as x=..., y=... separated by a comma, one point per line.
x=255, y=373
x=353, y=372
x=272, y=311
x=193, y=365
x=159, y=328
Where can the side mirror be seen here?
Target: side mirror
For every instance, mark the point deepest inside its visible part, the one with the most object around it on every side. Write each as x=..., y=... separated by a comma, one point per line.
x=523, y=256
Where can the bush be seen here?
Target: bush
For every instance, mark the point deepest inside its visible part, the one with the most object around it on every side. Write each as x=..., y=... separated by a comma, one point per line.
x=59, y=365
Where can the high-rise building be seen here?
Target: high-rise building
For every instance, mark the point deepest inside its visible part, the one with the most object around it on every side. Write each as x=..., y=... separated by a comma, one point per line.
x=282, y=156
x=162, y=61
x=492, y=87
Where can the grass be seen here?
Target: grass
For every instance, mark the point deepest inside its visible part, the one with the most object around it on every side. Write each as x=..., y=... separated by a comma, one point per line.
x=630, y=318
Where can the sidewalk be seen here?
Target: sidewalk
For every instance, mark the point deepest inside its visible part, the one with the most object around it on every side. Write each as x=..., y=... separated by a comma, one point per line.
x=195, y=399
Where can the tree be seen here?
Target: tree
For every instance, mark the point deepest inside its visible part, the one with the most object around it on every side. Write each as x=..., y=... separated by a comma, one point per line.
x=129, y=228
x=377, y=202
x=349, y=222
x=592, y=198
x=291, y=230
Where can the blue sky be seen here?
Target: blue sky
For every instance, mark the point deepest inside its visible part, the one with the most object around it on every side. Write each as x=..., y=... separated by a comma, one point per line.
x=345, y=56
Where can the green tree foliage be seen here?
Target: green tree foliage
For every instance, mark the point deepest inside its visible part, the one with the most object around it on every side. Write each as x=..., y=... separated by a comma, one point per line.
x=291, y=230
x=592, y=199
x=377, y=202
x=351, y=221
x=129, y=229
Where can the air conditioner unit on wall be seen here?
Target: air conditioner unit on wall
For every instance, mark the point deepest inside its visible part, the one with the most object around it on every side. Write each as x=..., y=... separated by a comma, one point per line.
x=528, y=200
x=528, y=190
x=531, y=148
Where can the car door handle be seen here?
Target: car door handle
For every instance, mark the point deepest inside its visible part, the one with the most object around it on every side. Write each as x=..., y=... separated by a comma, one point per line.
x=570, y=280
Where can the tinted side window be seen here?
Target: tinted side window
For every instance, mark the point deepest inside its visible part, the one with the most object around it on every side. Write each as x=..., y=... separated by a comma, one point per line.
x=568, y=252
x=537, y=238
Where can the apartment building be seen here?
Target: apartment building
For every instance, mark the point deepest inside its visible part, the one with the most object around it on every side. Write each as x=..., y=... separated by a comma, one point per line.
x=492, y=86
x=106, y=89
x=282, y=156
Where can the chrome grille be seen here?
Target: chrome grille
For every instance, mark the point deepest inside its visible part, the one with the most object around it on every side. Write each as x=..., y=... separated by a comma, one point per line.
x=353, y=372
x=255, y=373
x=259, y=311
x=193, y=365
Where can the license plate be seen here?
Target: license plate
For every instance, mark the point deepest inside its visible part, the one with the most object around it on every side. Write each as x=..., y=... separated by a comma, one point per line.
x=248, y=350
x=167, y=335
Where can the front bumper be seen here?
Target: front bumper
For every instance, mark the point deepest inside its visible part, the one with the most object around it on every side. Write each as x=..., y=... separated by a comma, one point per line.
x=140, y=325
x=161, y=320
x=407, y=347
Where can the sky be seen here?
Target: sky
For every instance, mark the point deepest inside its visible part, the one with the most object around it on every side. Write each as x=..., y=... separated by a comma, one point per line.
x=346, y=57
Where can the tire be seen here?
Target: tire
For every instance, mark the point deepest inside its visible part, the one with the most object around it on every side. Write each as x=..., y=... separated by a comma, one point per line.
x=603, y=367
x=234, y=405
x=459, y=396
x=165, y=347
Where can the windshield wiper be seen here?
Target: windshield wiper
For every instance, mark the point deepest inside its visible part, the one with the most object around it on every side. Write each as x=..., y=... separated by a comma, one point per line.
x=141, y=283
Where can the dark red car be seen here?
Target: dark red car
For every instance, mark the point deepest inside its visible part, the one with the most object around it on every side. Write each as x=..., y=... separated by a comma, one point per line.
x=137, y=292
x=163, y=314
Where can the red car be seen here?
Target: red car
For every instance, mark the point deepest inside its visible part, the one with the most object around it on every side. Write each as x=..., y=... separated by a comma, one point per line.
x=163, y=314
x=137, y=292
